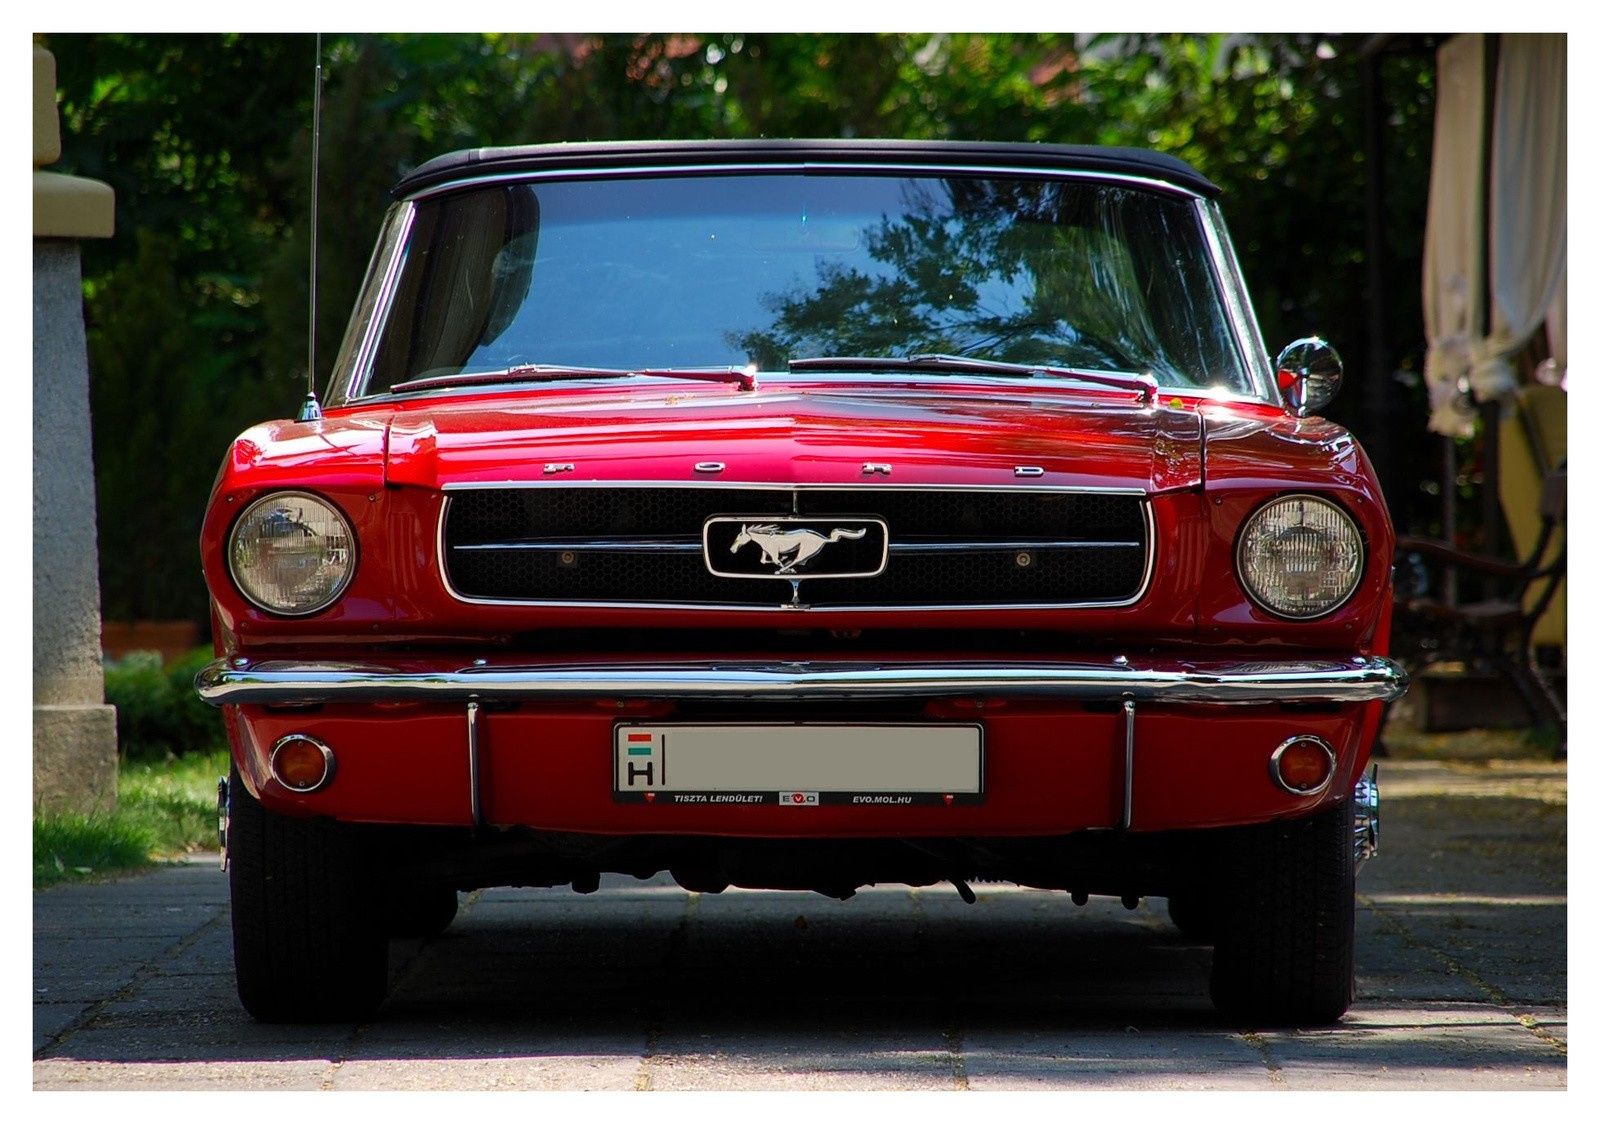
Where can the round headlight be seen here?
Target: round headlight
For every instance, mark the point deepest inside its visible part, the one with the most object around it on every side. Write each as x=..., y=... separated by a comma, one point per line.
x=291, y=553
x=1300, y=557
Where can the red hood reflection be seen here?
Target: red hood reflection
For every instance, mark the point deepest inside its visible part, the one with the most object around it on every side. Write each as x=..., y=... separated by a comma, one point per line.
x=832, y=434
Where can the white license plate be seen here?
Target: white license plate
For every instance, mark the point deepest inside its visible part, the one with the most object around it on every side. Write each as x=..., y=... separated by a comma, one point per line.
x=798, y=764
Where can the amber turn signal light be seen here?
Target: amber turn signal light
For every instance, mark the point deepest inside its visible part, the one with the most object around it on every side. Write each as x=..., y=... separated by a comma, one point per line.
x=301, y=763
x=1303, y=765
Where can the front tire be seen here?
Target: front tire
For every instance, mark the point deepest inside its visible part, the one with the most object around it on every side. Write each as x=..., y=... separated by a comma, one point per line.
x=1285, y=941
x=306, y=944
x=1194, y=913
x=419, y=911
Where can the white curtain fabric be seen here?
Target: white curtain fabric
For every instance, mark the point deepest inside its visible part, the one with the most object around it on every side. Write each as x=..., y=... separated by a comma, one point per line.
x=1528, y=203
x=1527, y=215
x=1452, y=284
x=1555, y=323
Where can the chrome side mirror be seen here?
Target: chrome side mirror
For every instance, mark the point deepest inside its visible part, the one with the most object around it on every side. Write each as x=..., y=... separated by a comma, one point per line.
x=1309, y=375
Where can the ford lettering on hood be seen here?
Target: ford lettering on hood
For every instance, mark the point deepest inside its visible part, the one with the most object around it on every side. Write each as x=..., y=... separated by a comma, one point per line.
x=799, y=432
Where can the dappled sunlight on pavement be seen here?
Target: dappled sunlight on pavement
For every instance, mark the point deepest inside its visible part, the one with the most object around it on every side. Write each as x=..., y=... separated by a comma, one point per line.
x=1461, y=976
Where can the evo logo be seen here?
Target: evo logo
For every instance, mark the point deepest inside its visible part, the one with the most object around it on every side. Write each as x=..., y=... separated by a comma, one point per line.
x=799, y=799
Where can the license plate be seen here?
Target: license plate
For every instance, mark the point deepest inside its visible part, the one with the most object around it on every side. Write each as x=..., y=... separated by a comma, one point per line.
x=798, y=764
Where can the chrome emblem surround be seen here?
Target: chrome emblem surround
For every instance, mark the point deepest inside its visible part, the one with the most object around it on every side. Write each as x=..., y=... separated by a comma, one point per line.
x=789, y=548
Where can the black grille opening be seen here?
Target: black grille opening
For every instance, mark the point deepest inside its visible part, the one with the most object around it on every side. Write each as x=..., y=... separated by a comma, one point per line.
x=978, y=515
x=948, y=548
x=1053, y=576
x=495, y=514
x=603, y=576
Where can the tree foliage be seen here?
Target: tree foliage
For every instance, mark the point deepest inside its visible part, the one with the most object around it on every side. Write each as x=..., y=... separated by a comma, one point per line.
x=198, y=309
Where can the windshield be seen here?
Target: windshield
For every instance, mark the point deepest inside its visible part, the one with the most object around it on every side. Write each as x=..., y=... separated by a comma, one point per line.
x=732, y=270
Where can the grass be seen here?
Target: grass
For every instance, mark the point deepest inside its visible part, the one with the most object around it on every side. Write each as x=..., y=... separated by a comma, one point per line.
x=1404, y=740
x=164, y=810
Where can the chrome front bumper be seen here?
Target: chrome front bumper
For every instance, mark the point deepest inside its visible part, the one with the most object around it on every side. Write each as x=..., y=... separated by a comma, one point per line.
x=1240, y=682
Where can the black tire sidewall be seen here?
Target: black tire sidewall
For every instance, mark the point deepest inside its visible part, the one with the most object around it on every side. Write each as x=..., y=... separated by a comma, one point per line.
x=306, y=945
x=1285, y=929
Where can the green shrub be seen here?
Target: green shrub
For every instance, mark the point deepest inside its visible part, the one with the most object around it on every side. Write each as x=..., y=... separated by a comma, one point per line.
x=197, y=723
x=142, y=694
x=158, y=712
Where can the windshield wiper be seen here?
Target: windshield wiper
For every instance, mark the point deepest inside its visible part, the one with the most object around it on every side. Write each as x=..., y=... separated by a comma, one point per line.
x=1145, y=384
x=742, y=377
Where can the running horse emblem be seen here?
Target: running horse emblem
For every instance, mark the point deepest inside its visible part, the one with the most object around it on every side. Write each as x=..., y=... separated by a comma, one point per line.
x=789, y=549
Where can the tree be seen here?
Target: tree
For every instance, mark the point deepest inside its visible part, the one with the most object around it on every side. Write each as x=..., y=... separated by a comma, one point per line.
x=198, y=310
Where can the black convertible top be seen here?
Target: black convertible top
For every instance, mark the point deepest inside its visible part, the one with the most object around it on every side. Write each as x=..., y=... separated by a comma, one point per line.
x=474, y=163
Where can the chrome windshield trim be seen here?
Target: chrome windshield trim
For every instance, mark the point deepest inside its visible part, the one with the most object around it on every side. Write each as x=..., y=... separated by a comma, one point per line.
x=385, y=273
x=809, y=168
x=1228, y=682
x=791, y=387
x=354, y=387
x=1236, y=299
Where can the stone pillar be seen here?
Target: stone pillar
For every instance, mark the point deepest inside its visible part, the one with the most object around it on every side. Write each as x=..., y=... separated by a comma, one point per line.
x=74, y=731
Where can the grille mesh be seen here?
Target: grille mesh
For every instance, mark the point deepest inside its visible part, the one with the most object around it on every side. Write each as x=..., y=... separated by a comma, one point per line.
x=641, y=545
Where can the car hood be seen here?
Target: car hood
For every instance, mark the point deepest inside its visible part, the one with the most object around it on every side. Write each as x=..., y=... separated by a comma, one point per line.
x=831, y=436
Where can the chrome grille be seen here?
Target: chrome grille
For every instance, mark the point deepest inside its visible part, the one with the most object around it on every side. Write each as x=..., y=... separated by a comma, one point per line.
x=608, y=545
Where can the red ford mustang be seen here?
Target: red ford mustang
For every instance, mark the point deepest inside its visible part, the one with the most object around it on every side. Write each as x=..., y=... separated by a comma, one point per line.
x=802, y=515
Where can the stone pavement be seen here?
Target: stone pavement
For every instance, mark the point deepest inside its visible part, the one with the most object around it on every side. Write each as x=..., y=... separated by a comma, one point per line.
x=1461, y=964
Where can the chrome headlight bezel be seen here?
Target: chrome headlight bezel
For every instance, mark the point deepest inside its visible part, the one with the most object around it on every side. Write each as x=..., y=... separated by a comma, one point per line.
x=1330, y=533
x=331, y=566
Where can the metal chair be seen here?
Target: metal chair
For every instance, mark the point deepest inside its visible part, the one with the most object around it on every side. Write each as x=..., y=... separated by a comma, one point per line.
x=1496, y=630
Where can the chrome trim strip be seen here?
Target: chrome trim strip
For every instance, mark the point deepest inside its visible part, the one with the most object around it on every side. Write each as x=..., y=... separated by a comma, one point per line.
x=973, y=546
x=793, y=388
x=792, y=606
x=1127, y=764
x=1353, y=680
x=669, y=546
x=472, y=764
x=1236, y=299
x=603, y=546
x=807, y=167
x=360, y=373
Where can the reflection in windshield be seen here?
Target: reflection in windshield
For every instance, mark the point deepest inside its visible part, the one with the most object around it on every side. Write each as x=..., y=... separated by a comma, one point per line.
x=764, y=268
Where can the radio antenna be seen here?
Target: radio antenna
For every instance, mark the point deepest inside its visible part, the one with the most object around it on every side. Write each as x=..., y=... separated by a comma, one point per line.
x=310, y=409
